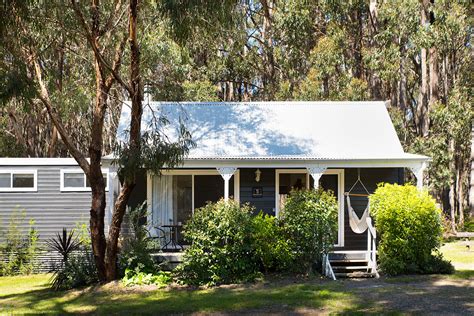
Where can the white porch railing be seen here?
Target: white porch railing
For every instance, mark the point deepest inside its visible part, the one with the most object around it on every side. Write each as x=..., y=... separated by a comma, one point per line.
x=327, y=268
x=371, y=247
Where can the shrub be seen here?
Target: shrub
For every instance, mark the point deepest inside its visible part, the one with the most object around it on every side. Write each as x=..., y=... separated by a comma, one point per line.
x=77, y=267
x=137, y=246
x=221, y=248
x=79, y=270
x=137, y=277
x=410, y=228
x=64, y=244
x=310, y=223
x=20, y=249
x=271, y=249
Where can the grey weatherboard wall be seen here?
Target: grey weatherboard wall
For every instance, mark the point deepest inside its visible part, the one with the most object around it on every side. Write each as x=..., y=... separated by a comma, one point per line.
x=50, y=208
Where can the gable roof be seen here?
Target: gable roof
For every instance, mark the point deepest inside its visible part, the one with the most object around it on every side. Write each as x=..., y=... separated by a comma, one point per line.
x=279, y=130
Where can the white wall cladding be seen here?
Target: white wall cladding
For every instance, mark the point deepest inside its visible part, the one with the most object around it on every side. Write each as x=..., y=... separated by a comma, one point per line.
x=49, y=207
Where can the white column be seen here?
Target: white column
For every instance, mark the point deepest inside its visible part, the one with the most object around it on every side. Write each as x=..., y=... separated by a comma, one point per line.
x=418, y=172
x=316, y=172
x=226, y=173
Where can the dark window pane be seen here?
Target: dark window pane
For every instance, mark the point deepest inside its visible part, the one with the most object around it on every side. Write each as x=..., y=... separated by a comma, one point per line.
x=209, y=188
x=73, y=180
x=5, y=180
x=182, y=198
x=329, y=182
x=292, y=181
x=23, y=180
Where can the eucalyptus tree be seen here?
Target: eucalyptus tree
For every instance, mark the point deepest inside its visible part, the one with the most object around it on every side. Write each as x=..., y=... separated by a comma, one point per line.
x=105, y=37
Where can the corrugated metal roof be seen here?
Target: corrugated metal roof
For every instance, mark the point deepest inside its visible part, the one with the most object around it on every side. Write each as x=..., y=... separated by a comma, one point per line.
x=279, y=130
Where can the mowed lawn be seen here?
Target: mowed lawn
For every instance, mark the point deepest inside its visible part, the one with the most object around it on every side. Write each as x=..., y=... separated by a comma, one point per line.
x=407, y=294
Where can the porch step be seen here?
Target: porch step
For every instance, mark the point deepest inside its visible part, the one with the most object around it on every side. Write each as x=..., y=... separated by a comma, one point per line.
x=350, y=264
x=169, y=260
x=335, y=261
x=356, y=274
x=336, y=268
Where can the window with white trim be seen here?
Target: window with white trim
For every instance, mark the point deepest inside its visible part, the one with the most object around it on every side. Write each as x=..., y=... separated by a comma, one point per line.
x=17, y=180
x=76, y=180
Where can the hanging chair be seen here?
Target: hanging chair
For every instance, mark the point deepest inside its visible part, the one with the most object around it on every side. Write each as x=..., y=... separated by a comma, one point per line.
x=358, y=225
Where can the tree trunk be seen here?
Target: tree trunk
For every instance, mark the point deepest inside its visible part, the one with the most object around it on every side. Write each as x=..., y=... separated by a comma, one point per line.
x=96, y=178
x=357, y=46
x=120, y=207
x=460, y=196
x=422, y=112
x=268, y=58
x=134, y=143
x=434, y=69
x=452, y=190
x=402, y=85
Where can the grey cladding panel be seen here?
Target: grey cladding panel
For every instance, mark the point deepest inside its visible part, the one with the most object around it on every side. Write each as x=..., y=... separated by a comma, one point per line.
x=49, y=207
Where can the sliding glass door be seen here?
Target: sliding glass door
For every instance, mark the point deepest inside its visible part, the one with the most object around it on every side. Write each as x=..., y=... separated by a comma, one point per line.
x=176, y=194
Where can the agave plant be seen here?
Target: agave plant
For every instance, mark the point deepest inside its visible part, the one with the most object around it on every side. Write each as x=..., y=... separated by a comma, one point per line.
x=64, y=243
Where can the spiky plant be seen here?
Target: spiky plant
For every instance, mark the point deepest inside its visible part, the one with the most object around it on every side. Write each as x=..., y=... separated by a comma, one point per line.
x=64, y=243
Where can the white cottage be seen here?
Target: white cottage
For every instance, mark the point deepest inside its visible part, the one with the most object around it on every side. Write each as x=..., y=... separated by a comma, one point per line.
x=252, y=152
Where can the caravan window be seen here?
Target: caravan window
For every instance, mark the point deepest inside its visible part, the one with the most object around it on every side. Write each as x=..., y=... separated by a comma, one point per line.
x=17, y=180
x=76, y=180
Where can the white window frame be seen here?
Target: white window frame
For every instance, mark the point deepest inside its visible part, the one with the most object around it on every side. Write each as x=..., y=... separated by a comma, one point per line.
x=21, y=171
x=105, y=172
x=340, y=197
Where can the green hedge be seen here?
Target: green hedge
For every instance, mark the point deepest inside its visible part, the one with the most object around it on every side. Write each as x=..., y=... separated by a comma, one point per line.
x=309, y=220
x=410, y=230
x=221, y=247
x=228, y=244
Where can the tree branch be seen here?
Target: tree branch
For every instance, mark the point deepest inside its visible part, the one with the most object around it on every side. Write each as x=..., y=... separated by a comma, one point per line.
x=44, y=97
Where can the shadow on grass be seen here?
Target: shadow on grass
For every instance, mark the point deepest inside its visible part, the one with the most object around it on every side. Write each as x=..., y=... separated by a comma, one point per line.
x=438, y=294
x=274, y=299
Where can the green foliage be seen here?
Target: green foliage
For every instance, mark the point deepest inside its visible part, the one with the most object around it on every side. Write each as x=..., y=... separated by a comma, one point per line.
x=271, y=248
x=195, y=16
x=310, y=223
x=77, y=267
x=410, y=228
x=136, y=277
x=137, y=246
x=469, y=225
x=79, y=270
x=20, y=249
x=83, y=234
x=65, y=244
x=199, y=91
x=156, y=150
x=221, y=248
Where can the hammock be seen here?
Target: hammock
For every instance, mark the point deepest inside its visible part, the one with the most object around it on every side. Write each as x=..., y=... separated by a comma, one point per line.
x=358, y=225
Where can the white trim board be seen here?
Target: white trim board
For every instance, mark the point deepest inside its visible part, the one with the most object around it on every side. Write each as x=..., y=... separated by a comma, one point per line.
x=286, y=164
x=38, y=162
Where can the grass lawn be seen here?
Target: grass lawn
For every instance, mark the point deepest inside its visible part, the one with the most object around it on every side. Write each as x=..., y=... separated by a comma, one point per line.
x=407, y=294
x=460, y=256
